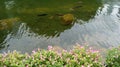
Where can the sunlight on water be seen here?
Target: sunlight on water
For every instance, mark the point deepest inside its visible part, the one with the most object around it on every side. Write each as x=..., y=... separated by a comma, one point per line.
x=24, y=39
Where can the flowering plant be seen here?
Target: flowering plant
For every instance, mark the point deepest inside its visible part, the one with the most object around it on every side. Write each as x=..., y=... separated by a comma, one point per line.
x=77, y=57
x=113, y=58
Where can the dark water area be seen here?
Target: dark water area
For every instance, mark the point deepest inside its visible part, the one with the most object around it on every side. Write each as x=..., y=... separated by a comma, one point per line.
x=28, y=24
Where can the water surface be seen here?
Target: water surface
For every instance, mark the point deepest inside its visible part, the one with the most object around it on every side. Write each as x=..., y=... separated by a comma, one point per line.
x=97, y=25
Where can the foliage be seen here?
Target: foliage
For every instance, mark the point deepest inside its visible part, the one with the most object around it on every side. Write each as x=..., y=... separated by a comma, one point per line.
x=113, y=58
x=77, y=57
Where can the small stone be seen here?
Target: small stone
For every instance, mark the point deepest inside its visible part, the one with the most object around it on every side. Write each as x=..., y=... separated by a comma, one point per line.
x=68, y=19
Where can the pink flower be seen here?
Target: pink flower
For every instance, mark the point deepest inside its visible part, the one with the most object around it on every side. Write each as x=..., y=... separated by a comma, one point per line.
x=81, y=47
x=38, y=49
x=88, y=66
x=50, y=47
x=82, y=66
x=33, y=51
x=94, y=51
x=90, y=48
x=64, y=50
x=5, y=66
x=27, y=66
x=5, y=54
x=71, y=52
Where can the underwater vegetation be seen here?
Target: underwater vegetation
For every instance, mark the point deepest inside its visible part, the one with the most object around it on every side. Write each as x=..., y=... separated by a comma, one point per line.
x=44, y=17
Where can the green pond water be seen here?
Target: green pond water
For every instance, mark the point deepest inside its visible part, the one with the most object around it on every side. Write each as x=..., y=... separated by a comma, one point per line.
x=29, y=24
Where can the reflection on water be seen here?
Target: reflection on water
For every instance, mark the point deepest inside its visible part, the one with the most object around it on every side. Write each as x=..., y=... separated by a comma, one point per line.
x=102, y=31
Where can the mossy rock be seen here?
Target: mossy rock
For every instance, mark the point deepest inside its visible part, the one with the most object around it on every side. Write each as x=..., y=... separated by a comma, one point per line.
x=6, y=23
x=67, y=19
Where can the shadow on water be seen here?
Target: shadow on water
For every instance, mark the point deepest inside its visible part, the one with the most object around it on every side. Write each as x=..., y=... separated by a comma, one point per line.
x=40, y=24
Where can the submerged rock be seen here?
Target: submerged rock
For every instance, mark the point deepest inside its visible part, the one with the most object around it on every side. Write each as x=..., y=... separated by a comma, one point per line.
x=67, y=19
x=5, y=23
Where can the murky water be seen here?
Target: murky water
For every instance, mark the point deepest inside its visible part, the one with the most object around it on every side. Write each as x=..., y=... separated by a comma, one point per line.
x=100, y=31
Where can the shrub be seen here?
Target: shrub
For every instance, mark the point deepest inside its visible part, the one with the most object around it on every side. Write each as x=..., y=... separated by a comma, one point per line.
x=113, y=58
x=77, y=57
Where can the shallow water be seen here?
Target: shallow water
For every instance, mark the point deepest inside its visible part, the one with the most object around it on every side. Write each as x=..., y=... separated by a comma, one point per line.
x=101, y=30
